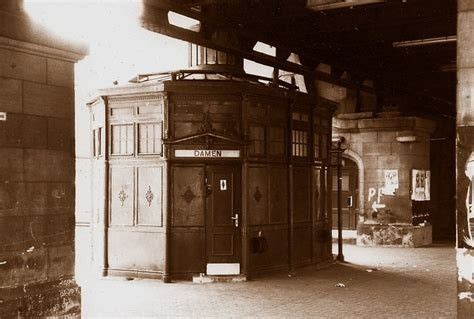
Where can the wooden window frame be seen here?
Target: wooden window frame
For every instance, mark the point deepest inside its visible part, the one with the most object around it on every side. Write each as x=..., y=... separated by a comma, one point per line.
x=159, y=151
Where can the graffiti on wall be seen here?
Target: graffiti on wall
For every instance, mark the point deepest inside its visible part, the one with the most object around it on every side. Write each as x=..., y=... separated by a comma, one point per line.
x=376, y=205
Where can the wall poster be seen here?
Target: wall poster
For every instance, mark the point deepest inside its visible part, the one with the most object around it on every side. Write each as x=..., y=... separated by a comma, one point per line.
x=420, y=185
x=390, y=181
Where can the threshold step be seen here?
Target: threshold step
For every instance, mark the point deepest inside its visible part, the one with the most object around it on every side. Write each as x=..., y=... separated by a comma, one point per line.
x=204, y=279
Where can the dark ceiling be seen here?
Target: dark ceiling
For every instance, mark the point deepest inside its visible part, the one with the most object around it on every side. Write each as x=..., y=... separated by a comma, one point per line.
x=357, y=38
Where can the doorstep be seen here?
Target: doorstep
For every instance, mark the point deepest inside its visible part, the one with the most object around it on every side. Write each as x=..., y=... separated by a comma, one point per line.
x=204, y=279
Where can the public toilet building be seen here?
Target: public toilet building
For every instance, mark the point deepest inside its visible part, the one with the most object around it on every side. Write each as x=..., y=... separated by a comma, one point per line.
x=209, y=171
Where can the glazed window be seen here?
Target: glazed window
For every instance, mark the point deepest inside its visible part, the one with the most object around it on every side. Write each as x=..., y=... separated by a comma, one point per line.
x=257, y=140
x=299, y=140
x=299, y=116
x=276, y=140
x=149, y=138
x=122, y=139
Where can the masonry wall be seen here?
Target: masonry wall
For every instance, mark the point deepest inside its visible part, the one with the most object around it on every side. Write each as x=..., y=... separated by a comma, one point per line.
x=36, y=174
x=465, y=159
x=376, y=142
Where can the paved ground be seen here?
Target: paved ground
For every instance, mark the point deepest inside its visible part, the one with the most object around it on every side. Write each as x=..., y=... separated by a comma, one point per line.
x=404, y=283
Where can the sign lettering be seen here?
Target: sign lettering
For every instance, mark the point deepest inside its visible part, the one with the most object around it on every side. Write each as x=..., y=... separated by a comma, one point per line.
x=207, y=153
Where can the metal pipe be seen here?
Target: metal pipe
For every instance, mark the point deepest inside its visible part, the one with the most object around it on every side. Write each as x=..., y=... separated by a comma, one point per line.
x=427, y=41
x=338, y=147
x=340, y=255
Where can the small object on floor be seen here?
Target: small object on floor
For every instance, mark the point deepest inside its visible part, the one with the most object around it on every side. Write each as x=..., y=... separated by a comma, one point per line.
x=129, y=278
x=29, y=250
x=371, y=269
x=340, y=285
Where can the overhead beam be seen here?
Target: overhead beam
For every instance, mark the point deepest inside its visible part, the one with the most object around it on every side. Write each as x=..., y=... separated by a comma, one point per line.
x=153, y=20
x=316, y=5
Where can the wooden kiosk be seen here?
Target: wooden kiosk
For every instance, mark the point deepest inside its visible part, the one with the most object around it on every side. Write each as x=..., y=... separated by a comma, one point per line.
x=209, y=171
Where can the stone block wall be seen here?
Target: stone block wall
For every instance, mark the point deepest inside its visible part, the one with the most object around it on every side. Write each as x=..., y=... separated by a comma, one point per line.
x=388, y=141
x=36, y=173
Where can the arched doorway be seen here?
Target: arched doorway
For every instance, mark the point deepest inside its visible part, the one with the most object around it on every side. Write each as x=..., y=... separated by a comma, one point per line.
x=350, y=195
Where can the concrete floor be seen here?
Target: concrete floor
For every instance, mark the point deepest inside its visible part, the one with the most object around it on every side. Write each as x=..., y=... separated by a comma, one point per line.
x=400, y=283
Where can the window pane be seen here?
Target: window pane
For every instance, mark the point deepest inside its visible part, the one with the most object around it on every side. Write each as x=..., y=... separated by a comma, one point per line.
x=300, y=143
x=122, y=139
x=150, y=138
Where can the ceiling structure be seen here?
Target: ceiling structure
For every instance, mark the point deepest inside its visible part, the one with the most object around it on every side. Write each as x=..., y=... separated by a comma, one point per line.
x=404, y=46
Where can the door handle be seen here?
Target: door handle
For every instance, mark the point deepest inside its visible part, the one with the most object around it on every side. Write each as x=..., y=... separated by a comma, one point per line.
x=235, y=218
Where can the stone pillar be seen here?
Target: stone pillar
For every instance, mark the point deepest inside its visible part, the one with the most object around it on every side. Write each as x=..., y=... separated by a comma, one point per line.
x=36, y=169
x=379, y=143
x=465, y=159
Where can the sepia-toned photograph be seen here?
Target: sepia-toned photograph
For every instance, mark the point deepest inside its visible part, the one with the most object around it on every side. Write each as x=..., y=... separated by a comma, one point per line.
x=237, y=159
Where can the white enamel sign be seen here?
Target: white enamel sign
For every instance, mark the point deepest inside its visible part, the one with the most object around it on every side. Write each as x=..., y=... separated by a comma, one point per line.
x=223, y=183
x=207, y=153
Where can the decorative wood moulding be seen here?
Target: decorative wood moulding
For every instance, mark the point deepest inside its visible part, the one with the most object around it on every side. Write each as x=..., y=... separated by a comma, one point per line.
x=135, y=98
x=122, y=196
x=207, y=97
x=188, y=196
x=149, y=196
x=257, y=195
x=206, y=125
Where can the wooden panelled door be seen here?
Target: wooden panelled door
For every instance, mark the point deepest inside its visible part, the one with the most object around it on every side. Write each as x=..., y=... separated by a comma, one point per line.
x=223, y=214
x=350, y=195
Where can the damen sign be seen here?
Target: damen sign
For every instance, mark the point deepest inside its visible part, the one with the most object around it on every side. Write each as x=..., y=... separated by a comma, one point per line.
x=207, y=153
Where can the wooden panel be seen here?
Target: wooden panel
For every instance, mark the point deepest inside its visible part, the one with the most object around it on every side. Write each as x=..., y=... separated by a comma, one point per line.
x=150, y=196
x=193, y=113
x=303, y=245
x=257, y=140
x=257, y=195
x=278, y=194
x=182, y=129
x=135, y=250
x=276, y=254
x=222, y=244
x=278, y=113
x=188, y=196
x=121, y=111
x=276, y=141
x=188, y=252
x=149, y=109
x=258, y=111
x=301, y=194
x=121, y=195
x=317, y=195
